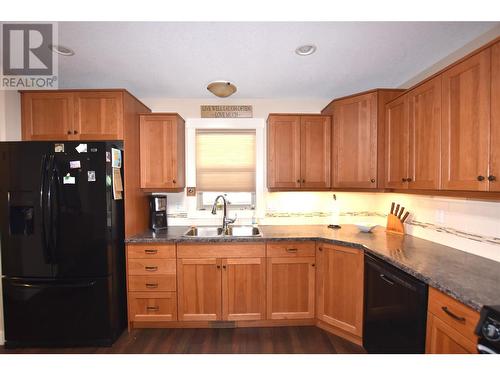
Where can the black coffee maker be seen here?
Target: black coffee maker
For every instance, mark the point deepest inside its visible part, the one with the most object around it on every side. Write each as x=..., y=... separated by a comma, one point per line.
x=158, y=212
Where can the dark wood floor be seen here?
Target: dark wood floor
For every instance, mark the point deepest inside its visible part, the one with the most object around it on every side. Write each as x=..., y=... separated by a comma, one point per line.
x=276, y=340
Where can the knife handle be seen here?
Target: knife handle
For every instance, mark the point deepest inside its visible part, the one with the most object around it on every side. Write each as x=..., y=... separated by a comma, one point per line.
x=392, y=208
x=397, y=209
x=401, y=212
x=405, y=216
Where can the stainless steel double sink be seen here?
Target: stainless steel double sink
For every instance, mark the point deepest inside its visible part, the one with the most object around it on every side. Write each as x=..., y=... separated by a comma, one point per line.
x=231, y=231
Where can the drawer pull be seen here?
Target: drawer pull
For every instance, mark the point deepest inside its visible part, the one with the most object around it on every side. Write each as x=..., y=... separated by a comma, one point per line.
x=153, y=308
x=151, y=268
x=292, y=250
x=151, y=251
x=151, y=286
x=456, y=317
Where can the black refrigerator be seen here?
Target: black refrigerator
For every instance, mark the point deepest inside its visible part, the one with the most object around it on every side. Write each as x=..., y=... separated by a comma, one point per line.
x=62, y=243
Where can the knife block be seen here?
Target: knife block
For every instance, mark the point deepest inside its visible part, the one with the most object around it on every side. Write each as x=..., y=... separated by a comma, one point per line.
x=394, y=225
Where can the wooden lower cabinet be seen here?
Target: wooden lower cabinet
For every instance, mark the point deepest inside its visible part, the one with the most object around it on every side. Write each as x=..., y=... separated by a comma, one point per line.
x=243, y=289
x=153, y=306
x=291, y=276
x=442, y=339
x=450, y=325
x=199, y=289
x=340, y=273
x=221, y=282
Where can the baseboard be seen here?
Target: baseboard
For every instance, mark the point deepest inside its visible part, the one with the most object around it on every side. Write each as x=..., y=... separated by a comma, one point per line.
x=232, y=324
x=339, y=332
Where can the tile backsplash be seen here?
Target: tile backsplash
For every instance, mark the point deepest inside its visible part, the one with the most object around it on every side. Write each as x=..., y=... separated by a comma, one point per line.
x=469, y=225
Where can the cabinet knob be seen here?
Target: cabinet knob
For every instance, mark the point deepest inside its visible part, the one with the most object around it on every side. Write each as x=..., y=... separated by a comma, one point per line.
x=372, y=180
x=314, y=265
x=320, y=248
x=298, y=181
x=408, y=179
x=218, y=267
x=403, y=179
x=75, y=132
x=174, y=181
x=480, y=178
x=491, y=178
x=224, y=266
x=69, y=131
x=303, y=181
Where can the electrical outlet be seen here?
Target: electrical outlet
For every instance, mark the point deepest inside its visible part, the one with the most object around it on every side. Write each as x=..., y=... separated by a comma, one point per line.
x=440, y=216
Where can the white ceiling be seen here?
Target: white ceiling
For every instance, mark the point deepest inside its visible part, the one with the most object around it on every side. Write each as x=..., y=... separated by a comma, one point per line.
x=178, y=59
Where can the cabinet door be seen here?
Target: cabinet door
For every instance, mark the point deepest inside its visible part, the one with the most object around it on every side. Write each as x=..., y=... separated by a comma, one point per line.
x=466, y=124
x=355, y=142
x=290, y=287
x=424, y=118
x=158, y=150
x=442, y=339
x=396, y=143
x=283, y=146
x=494, y=172
x=199, y=289
x=315, y=151
x=243, y=289
x=340, y=287
x=47, y=116
x=98, y=115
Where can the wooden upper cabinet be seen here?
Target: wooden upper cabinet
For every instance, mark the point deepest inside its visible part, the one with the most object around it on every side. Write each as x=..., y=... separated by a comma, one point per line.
x=243, y=289
x=47, y=116
x=424, y=118
x=98, y=115
x=355, y=142
x=340, y=273
x=199, y=289
x=315, y=152
x=162, y=151
x=283, y=152
x=299, y=152
x=466, y=124
x=396, y=143
x=494, y=171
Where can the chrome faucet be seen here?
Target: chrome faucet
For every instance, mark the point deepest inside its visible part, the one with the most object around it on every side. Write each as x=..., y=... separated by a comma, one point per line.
x=225, y=219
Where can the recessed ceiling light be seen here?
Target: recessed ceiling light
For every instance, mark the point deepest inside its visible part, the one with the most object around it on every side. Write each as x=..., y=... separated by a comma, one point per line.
x=61, y=50
x=305, y=50
x=222, y=89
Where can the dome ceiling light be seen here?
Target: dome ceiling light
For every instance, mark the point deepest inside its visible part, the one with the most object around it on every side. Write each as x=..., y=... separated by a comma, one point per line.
x=61, y=50
x=305, y=50
x=222, y=89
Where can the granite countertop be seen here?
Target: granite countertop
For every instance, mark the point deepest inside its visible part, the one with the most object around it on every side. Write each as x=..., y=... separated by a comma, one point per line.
x=473, y=280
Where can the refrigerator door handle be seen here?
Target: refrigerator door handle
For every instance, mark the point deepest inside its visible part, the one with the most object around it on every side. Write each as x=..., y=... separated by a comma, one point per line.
x=53, y=197
x=43, y=208
x=87, y=284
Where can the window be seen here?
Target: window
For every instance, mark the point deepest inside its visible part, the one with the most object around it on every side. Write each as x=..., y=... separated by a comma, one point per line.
x=225, y=164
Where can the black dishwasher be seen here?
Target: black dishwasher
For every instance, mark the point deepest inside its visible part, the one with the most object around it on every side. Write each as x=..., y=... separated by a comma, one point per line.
x=395, y=309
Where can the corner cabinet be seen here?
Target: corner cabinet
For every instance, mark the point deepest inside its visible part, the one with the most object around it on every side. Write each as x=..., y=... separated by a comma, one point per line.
x=340, y=276
x=162, y=151
x=358, y=123
x=298, y=152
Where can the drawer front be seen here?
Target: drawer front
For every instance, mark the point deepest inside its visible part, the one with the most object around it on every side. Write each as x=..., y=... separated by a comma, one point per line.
x=151, y=267
x=458, y=316
x=221, y=250
x=291, y=249
x=150, y=251
x=164, y=283
x=152, y=307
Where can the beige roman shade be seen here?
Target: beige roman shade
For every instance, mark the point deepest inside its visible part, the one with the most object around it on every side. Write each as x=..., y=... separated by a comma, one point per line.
x=225, y=160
